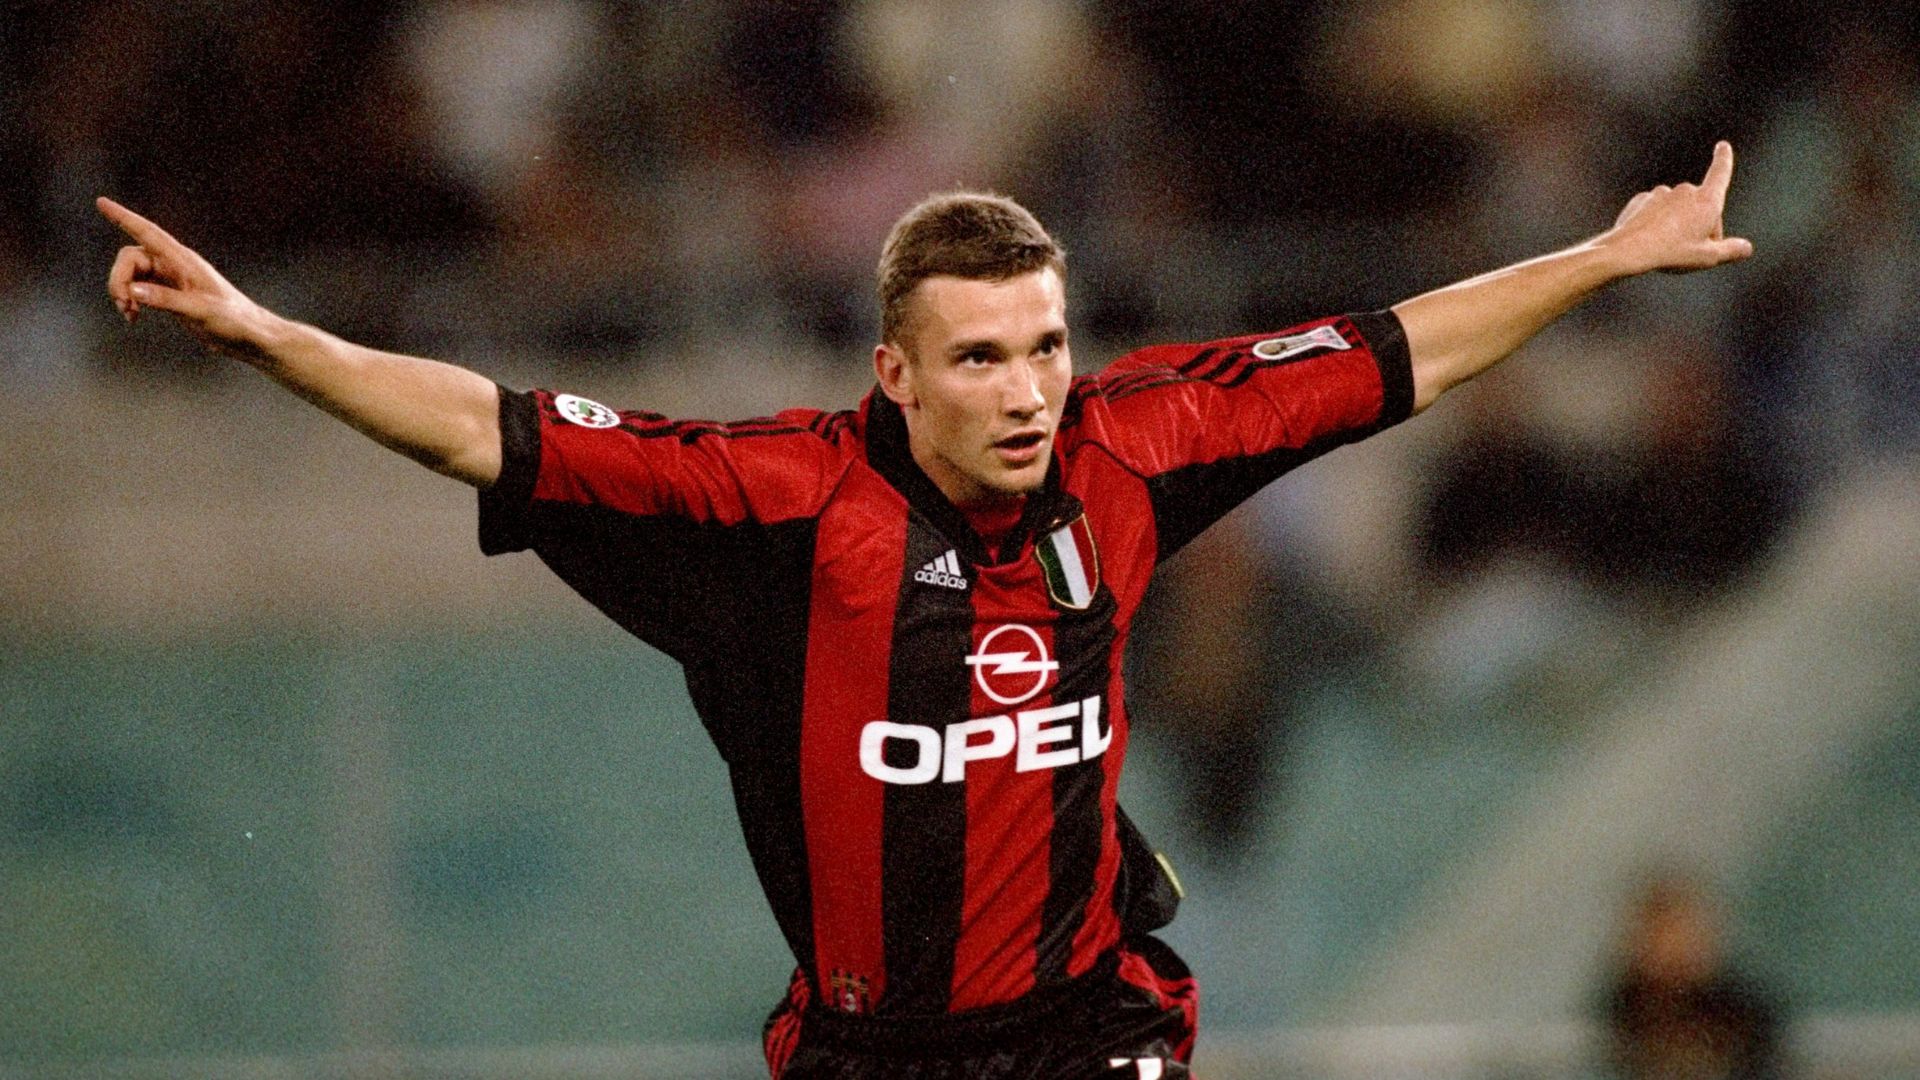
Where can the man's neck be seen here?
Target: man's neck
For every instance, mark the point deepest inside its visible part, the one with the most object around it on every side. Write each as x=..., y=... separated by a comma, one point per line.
x=966, y=495
x=993, y=514
x=995, y=520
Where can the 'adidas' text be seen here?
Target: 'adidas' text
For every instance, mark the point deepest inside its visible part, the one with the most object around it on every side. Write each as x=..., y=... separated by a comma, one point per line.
x=944, y=570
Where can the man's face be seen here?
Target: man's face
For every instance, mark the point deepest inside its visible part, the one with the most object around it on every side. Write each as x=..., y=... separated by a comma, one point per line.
x=982, y=376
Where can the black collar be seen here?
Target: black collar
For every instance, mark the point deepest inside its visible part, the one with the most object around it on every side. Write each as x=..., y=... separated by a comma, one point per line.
x=890, y=456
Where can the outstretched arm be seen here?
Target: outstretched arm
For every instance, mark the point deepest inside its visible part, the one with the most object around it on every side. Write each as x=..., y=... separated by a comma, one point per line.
x=1457, y=332
x=445, y=417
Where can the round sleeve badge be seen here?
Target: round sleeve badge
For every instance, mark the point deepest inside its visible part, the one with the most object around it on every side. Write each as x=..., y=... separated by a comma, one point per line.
x=584, y=412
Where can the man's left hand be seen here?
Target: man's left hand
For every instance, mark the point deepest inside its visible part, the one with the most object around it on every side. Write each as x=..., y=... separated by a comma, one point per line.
x=1678, y=229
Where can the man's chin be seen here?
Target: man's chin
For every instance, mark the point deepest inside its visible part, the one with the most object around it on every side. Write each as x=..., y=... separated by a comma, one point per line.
x=1016, y=483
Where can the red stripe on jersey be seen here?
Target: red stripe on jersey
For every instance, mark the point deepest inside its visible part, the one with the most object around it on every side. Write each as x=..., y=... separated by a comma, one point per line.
x=851, y=622
x=1009, y=816
x=782, y=1035
x=1170, y=991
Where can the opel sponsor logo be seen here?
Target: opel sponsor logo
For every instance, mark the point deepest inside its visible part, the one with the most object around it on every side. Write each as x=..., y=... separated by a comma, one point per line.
x=1044, y=738
x=1016, y=670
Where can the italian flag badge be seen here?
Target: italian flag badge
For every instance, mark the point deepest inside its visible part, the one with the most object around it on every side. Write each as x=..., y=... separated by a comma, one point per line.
x=1070, y=563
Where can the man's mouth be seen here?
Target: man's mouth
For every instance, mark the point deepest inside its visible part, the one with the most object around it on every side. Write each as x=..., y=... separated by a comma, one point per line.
x=1020, y=448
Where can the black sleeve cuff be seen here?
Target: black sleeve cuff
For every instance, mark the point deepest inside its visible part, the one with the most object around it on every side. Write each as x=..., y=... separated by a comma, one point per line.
x=503, y=506
x=1387, y=340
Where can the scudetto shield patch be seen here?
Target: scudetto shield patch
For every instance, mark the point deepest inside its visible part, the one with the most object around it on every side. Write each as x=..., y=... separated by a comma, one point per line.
x=585, y=412
x=1070, y=564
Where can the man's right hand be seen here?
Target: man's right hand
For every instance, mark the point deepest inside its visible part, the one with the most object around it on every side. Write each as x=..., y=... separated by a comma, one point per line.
x=160, y=272
x=445, y=417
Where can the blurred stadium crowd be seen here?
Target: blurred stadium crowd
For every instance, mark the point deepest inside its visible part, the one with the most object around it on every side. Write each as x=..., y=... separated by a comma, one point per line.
x=576, y=187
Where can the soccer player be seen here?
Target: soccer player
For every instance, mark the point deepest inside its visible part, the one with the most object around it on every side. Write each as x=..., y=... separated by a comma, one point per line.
x=902, y=623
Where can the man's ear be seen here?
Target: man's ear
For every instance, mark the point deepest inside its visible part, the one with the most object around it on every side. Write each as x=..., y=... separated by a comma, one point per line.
x=890, y=366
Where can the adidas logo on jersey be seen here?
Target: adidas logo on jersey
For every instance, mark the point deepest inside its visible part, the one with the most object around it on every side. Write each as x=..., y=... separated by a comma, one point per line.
x=944, y=570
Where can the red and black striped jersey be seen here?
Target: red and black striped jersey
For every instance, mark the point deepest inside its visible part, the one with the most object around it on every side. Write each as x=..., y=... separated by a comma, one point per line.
x=924, y=736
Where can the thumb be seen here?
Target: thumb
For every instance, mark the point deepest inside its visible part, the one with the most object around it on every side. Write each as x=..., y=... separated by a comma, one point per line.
x=1733, y=249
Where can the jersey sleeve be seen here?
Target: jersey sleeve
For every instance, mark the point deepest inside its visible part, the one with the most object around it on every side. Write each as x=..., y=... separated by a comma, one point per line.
x=1205, y=426
x=681, y=531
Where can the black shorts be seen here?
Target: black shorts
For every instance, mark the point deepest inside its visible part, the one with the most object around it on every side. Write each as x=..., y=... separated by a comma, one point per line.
x=1132, y=1016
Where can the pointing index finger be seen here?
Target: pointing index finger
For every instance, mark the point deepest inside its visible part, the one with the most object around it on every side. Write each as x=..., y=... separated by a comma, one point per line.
x=150, y=236
x=1720, y=173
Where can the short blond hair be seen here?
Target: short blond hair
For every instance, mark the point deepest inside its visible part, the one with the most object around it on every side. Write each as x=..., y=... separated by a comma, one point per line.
x=967, y=234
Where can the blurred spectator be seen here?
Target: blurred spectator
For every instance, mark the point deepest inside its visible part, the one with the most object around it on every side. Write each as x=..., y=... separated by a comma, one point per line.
x=1629, y=468
x=1235, y=639
x=267, y=134
x=493, y=75
x=44, y=348
x=1586, y=498
x=1641, y=53
x=1830, y=328
x=1677, y=1009
x=952, y=97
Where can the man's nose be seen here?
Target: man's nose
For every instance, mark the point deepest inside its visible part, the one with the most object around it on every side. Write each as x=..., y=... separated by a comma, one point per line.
x=1023, y=396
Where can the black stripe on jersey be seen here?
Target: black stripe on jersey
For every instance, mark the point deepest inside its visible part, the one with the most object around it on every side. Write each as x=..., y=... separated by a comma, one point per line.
x=653, y=425
x=1387, y=339
x=1188, y=499
x=1166, y=377
x=1122, y=383
x=692, y=431
x=1250, y=370
x=837, y=425
x=734, y=612
x=1083, y=641
x=1378, y=329
x=1219, y=377
x=1253, y=369
x=923, y=827
x=1199, y=358
x=691, y=436
x=749, y=687
x=1113, y=389
x=503, y=524
x=822, y=424
x=1214, y=373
